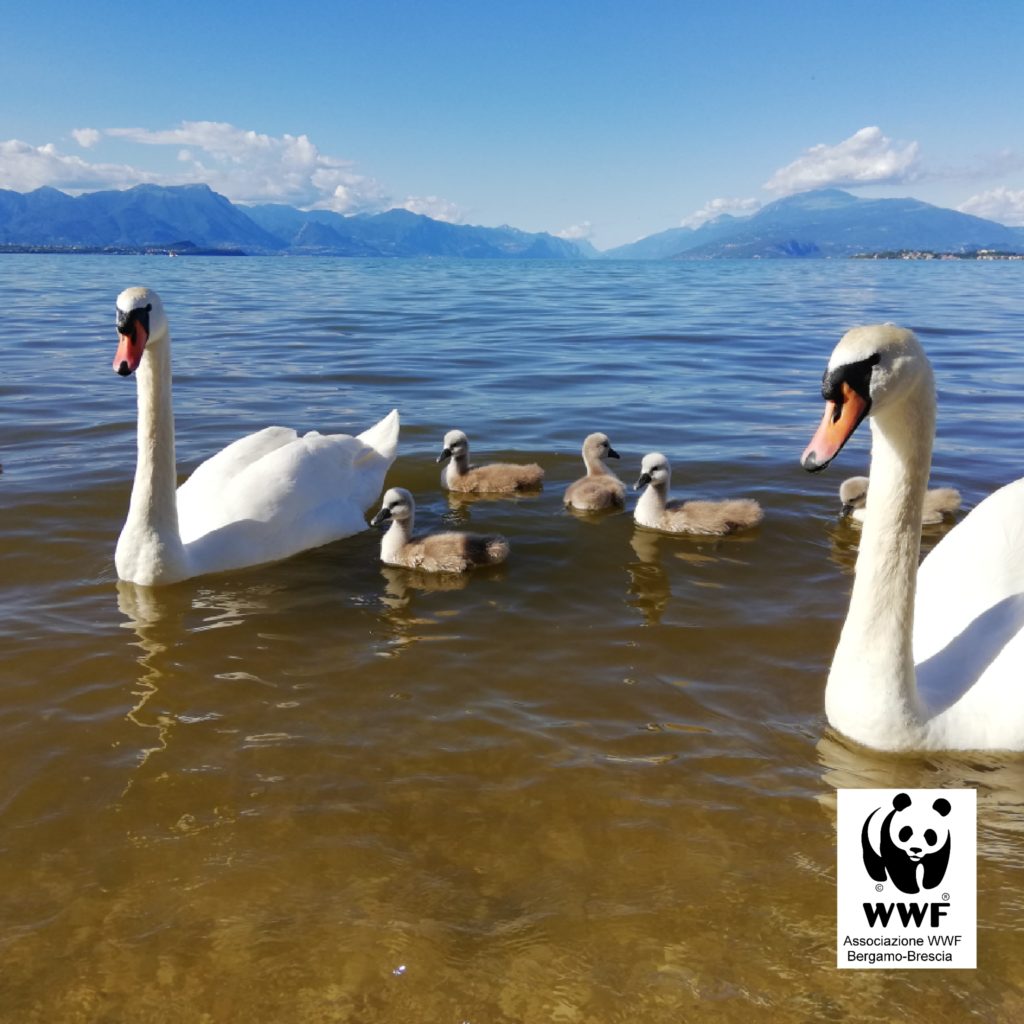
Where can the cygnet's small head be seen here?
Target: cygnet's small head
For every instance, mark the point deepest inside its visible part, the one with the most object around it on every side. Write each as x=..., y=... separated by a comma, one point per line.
x=456, y=445
x=598, y=447
x=397, y=505
x=654, y=469
x=870, y=369
x=140, y=319
x=853, y=493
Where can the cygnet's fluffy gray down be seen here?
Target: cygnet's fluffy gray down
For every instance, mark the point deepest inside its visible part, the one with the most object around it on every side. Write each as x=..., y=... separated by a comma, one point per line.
x=495, y=478
x=434, y=552
x=708, y=518
x=600, y=488
x=939, y=502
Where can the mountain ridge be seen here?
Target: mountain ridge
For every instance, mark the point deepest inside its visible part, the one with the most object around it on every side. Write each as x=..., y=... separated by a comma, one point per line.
x=828, y=223
x=194, y=218
x=153, y=216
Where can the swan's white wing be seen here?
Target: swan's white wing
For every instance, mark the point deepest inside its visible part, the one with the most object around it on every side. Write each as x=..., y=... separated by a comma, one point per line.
x=969, y=613
x=298, y=495
x=198, y=494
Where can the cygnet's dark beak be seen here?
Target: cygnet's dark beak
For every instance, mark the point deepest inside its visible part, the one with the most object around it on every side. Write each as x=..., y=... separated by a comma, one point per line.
x=381, y=517
x=612, y=453
x=446, y=454
x=645, y=479
x=846, y=509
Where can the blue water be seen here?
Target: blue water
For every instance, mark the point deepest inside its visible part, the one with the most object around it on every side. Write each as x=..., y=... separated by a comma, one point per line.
x=592, y=785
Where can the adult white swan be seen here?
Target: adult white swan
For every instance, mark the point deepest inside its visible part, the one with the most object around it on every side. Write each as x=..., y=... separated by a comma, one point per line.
x=945, y=671
x=264, y=497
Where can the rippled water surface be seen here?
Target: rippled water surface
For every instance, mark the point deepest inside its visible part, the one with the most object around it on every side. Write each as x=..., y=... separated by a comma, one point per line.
x=593, y=785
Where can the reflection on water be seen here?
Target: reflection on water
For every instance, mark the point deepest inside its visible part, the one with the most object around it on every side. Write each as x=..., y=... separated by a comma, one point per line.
x=590, y=785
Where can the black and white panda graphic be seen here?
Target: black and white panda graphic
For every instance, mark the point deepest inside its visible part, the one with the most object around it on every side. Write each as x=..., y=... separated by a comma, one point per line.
x=912, y=846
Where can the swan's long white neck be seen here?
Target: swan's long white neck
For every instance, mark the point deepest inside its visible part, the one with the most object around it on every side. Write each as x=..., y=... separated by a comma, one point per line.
x=149, y=549
x=652, y=503
x=458, y=466
x=398, y=534
x=871, y=694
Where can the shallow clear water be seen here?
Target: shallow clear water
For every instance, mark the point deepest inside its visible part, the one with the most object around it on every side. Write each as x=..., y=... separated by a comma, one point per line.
x=592, y=785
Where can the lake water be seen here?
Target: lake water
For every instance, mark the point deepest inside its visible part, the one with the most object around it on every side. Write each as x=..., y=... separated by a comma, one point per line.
x=594, y=785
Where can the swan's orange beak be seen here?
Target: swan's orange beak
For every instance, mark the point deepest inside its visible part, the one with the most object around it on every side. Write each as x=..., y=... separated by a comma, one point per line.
x=129, y=348
x=839, y=422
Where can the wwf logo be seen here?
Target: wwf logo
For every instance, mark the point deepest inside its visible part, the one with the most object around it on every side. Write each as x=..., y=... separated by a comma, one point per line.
x=912, y=848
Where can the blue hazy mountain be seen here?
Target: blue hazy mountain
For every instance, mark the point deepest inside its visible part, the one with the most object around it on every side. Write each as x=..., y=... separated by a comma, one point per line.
x=187, y=216
x=829, y=222
x=147, y=215
x=666, y=244
x=401, y=233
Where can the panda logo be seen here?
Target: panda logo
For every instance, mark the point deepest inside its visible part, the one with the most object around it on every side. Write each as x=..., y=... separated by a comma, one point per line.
x=912, y=847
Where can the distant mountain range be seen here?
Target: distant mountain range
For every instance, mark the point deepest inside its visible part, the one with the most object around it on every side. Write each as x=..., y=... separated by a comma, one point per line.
x=188, y=218
x=828, y=222
x=195, y=219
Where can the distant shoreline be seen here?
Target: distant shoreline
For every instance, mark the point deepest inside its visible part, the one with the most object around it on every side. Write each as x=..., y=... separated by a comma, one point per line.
x=116, y=250
x=923, y=254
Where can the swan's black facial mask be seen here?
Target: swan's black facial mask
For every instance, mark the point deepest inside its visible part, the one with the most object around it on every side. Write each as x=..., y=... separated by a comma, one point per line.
x=132, y=333
x=847, y=394
x=126, y=319
x=857, y=375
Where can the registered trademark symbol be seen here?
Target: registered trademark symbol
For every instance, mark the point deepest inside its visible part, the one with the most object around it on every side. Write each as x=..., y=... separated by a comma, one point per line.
x=879, y=887
x=945, y=896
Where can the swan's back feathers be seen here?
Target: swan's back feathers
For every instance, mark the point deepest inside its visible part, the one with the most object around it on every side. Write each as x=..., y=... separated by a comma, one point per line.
x=595, y=493
x=294, y=493
x=495, y=478
x=969, y=628
x=382, y=437
x=452, y=552
x=939, y=502
x=978, y=565
x=711, y=518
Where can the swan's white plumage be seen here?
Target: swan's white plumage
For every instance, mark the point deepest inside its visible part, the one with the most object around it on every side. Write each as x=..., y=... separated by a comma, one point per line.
x=968, y=638
x=264, y=497
x=928, y=659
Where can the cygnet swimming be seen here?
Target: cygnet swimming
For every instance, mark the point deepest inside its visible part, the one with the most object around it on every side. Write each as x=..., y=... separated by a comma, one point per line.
x=600, y=488
x=495, y=478
x=709, y=518
x=939, y=502
x=434, y=552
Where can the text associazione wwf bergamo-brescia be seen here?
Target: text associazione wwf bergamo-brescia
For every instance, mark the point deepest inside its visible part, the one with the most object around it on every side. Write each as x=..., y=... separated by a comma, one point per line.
x=906, y=878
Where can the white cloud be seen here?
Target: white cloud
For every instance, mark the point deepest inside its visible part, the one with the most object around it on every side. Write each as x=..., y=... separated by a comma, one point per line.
x=716, y=207
x=1002, y=205
x=866, y=158
x=86, y=137
x=24, y=167
x=435, y=207
x=245, y=166
x=252, y=167
x=583, y=231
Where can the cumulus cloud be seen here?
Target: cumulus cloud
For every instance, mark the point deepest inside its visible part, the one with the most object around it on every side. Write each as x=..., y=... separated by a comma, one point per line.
x=435, y=207
x=245, y=166
x=24, y=167
x=86, y=137
x=866, y=158
x=252, y=167
x=1002, y=205
x=716, y=207
x=583, y=231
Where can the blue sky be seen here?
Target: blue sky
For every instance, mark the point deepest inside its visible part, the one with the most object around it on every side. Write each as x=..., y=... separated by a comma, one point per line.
x=602, y=120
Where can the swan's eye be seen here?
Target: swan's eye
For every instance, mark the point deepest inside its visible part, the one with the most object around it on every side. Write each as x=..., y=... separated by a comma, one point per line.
x=856, y=375
x=127, y=318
